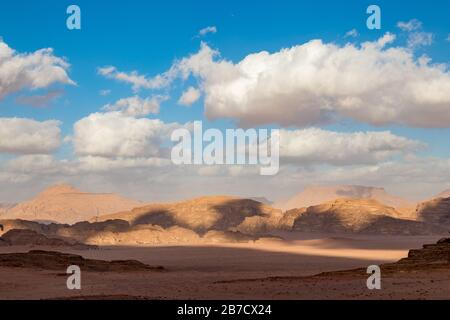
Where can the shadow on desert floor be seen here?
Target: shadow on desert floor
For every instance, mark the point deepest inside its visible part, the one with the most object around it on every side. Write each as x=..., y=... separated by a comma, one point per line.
x=237, y=271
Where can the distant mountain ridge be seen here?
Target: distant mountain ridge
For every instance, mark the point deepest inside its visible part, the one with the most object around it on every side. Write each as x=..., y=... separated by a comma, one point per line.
x=315, y=195
x=66, y=204
x=365, y=216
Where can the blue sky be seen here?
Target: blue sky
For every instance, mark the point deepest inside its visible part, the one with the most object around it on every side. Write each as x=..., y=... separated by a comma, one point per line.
x=147, y=36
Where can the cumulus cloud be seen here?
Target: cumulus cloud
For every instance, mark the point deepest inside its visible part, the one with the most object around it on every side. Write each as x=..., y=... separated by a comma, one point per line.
x=205, y=31
x=134, y=78
x=40, y=101
x=27, y=136
x=105, y=164
x=416, y=38
x=112, y=135
x=32, y=164
x=410, y=25
x=318, y=146
x=352, y=33
x=189, y=97
x=136, y=106
x=317, y=82
x=420, y=39
x=35, y=70
x=105, y=92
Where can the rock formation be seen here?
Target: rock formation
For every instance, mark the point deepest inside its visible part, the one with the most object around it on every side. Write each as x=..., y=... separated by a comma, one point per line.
x=356, y=216
x=204, y=214
x=50, y=260
x=23, y=237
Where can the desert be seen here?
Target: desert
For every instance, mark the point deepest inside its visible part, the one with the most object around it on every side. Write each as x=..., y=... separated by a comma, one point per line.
x=226, y=247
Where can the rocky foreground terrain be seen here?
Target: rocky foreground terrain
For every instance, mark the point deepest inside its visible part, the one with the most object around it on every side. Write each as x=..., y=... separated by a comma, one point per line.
x=50, y=260
x=235, y=272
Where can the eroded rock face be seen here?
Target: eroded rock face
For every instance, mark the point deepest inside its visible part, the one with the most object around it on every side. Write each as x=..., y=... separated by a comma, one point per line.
x=205, y=214
x=50, y=260
x=430, y=254
x=358, y=216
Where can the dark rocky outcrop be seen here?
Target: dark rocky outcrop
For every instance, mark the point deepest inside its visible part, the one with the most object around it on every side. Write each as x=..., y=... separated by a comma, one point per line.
x=430, y=254
x=23, y=237
x=50, y=260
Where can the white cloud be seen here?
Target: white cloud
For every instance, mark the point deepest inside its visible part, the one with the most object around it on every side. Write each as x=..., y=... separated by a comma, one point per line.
x=319, y=146
x=27, y=136
x=410, y=25
x=189, y=97
x=134, y=78
x=114, y=135
x=416, y=38
x=316, y=83
x=105, y=164
x=32, y=164
x=136, y=106
x=205, y=31
x=105, y=92
x=448, y=38
x=36, y=70
x=352, y=33
x=40, y=101
x=419, y=39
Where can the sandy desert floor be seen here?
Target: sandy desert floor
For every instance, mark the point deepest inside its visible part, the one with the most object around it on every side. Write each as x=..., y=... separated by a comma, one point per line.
x=262, y=270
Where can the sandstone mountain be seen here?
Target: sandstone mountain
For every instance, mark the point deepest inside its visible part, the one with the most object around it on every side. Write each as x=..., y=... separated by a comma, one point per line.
x=364, y=216
x=204, y=220
x=220, y=219
x=204, y=214
x=316, y=195
x=65, y=204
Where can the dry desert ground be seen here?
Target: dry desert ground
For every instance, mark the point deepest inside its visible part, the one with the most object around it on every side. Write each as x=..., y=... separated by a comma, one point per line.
x=267, y=269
